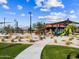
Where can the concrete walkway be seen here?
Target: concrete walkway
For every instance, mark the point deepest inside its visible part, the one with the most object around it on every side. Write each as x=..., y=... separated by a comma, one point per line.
x=34, y=51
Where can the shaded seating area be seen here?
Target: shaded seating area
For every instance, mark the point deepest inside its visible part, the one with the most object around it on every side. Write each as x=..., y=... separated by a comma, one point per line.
x=58, y=27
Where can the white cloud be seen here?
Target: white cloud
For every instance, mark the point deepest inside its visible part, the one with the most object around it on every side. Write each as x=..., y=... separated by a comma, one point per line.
x=6, y=7
x=72, y=11
x=54, y=3
x=4, y=4
x=54, y=16
x=47, y=4
x=57, y=16
x=22, y=14
x=42, y=9
x=3, y=1
x=73, y=16
x=38, y=2
x=19, y=7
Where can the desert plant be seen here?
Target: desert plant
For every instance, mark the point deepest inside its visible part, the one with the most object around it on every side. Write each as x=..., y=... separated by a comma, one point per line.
x=55, y=41
x=69, y=30
x=68, y=42
x=71, y=38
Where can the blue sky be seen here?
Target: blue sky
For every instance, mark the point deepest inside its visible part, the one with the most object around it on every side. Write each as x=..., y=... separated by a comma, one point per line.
x=42, y=10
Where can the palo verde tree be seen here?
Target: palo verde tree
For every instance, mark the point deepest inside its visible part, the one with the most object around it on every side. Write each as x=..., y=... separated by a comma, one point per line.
x=69, y=30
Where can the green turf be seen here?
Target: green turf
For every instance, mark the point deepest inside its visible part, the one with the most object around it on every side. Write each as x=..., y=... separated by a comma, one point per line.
x=9, y=51
x=58, y=52
x=50, y=51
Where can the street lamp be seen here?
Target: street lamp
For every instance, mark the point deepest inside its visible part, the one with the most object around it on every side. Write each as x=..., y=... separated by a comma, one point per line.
x=30, y=14
x=4, y=22
x=16, y=25
x=44, y=27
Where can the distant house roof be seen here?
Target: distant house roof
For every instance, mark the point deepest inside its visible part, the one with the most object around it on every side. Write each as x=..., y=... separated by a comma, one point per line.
x=66, y=21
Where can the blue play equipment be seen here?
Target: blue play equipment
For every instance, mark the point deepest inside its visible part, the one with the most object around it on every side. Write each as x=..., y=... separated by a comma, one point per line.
x=58, y=31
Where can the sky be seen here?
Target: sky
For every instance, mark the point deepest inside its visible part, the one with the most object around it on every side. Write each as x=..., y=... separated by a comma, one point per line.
x=42, y=11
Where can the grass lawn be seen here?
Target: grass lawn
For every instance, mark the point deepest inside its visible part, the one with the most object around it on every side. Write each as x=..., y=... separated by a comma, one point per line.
x=49, y=52
x=59, y=52
x=11, y=50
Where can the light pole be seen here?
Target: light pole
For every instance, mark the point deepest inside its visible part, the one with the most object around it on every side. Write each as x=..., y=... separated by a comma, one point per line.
x=16, y=25
x=4, y=26
x=30, y=14
x=44, y=29
x=4, y=22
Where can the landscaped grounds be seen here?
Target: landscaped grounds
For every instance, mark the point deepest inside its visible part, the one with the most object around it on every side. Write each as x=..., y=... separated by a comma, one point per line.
x=9, y=51
x=59, y=52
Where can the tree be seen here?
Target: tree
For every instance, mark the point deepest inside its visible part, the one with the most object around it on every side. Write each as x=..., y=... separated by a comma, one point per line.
x=18, y=30
x=9, y=29
x=69, y=30
x=40, y=27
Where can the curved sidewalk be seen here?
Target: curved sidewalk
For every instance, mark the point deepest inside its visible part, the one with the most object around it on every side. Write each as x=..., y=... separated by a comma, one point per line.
x=34, y=51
